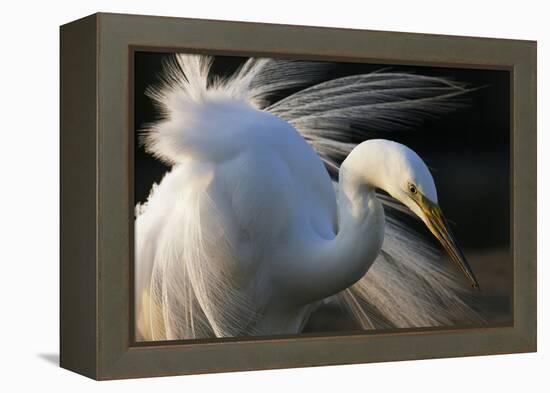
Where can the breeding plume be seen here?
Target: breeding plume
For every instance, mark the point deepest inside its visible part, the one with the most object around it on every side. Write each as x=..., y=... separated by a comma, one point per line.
x=268, y=210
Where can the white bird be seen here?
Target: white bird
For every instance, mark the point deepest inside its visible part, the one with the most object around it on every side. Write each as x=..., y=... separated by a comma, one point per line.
x=247, y=233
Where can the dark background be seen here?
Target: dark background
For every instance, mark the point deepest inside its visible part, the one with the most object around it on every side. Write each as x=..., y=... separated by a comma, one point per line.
x=468, y=152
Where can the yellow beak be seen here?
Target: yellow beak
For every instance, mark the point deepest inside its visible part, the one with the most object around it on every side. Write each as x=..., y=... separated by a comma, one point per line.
x=440, y=228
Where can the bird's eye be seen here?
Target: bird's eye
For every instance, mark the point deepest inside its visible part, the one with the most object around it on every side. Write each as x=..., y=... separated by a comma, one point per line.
x=412, y=189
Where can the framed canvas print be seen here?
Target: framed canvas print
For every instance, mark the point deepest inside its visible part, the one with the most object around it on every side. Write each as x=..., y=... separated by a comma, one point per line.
x=240, y=196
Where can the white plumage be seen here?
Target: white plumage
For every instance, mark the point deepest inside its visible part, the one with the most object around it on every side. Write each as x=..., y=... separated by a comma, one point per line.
x=247, y=234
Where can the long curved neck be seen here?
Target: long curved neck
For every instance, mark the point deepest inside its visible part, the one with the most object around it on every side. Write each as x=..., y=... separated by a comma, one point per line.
x=343, y=260
x=360, y=224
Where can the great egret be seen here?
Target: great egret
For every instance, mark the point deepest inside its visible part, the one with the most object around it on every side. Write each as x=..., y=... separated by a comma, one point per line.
x=248, y=233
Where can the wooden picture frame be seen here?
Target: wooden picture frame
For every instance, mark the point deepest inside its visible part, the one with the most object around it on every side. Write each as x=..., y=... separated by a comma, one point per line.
x=97, y=198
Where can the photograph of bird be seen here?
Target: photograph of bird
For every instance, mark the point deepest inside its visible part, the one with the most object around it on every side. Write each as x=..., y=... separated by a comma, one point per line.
x=268, y=211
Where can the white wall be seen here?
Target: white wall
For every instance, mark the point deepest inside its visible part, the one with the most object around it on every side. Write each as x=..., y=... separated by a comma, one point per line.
x=29, y=194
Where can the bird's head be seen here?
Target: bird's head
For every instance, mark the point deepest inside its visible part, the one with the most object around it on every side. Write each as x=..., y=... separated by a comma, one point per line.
x=404, y=175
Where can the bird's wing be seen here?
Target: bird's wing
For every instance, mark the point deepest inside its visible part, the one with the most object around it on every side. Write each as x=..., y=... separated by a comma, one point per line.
x=407, y=286
x=193, y=279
